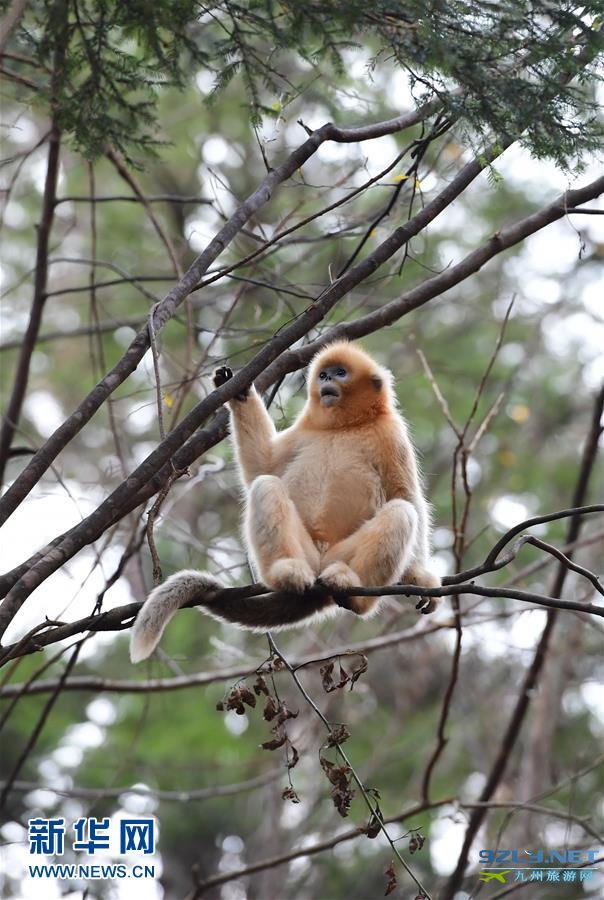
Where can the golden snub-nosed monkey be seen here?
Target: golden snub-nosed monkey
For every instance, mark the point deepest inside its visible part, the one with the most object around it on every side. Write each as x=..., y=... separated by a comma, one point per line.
x=335, y=500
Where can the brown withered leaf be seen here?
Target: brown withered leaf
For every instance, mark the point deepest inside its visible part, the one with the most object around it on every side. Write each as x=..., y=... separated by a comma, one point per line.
x=220, y=706
x=326, y=764
x=284, y=714
x=416, y=842
x=338, y=736
x=391, y=875
x=234, y=701
x=345, y=677
x=326, y=673
x=247, y=696
x=290, y=794
x=274, y=664
x=374, y=827
x=338, y=775
x=359, y=670
x=274, y=744
x=294, y=758
x=375, y=822
x=342, y=800
x=260, y=686
x=270, y=710
x=342, y=792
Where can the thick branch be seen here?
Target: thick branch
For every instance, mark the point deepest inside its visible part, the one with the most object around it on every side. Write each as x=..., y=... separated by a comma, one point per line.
x=121, y=618
x=432, y=287
x=166, y=309
x=112, y=508
x=10, y=22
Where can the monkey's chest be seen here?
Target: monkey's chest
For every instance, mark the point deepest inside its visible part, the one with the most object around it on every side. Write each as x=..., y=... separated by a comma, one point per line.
x=335, y=487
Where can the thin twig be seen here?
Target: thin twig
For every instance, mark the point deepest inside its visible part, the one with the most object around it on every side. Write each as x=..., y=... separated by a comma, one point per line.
x=178, y=795
x=37, y=729
x=531, y=677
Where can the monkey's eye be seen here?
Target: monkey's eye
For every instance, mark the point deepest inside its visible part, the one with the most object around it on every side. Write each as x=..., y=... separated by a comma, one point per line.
x=341, y=373
x=322, y=376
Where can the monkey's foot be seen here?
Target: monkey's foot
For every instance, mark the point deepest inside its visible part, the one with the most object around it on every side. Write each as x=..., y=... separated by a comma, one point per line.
x=290, y=574
x=427, y=605
x=423, y=578
x=337, y=576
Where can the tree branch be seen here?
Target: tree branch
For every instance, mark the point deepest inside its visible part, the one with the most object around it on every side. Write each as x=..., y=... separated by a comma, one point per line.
x=180, y=682
x=13, y=410
x=10, y=22
x=502, y=240
x=115, y=505
x=166, y=309
x=178, y=796
x=531, y=678
x=28, y=343
x=319, y=847
x=121, y=618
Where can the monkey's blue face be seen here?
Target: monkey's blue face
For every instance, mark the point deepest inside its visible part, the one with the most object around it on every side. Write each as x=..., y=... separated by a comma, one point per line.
x=331, y=379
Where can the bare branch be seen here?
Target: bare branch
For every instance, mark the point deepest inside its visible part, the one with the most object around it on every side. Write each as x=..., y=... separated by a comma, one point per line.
x=28, y=343
x=10, y=22
x=166, y=309
x=178, y=796
x=520, y=806
x=13, y=410
x=121, y=618
x=531, y=678
x=432, y=287
x=311, y=850
x=158, y=685
x=93, y=526
x=128, y=198
x=37, y=729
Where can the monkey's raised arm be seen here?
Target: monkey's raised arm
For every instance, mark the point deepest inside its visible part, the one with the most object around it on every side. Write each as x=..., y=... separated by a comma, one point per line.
x=253, y=431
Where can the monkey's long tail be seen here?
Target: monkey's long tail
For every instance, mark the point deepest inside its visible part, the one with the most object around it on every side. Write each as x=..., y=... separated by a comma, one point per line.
x=162, y=603
x=259, y=613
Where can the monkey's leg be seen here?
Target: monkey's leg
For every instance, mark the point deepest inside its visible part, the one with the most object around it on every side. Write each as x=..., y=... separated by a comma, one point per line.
x=375, y=554
x=418, y=570
x=417, y=573
x=286, y=556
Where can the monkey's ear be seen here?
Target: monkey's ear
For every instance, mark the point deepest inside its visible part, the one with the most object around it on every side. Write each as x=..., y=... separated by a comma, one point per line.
x=377, y=382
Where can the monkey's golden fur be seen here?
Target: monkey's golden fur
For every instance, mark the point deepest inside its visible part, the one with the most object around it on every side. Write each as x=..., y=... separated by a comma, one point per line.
x=337, y=495
x=335, y=499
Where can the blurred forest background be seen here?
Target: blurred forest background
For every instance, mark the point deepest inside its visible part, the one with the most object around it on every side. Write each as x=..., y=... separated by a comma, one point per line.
x=132, y=134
